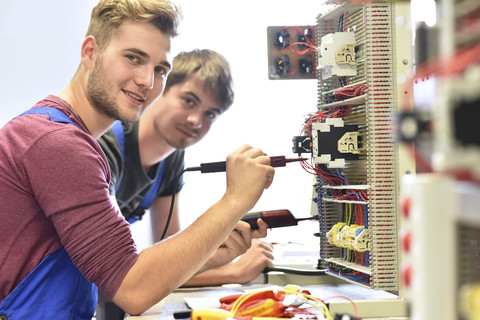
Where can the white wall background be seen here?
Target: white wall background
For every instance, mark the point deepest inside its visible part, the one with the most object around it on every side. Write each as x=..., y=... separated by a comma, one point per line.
x=40, y=45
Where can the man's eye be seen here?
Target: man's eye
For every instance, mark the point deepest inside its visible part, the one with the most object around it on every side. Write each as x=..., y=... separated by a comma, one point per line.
x=161, y=71
x=211, y=115
x=132, y=58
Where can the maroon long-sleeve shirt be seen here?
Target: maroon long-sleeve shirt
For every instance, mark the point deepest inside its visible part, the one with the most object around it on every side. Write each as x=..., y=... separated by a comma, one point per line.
x=54, y=193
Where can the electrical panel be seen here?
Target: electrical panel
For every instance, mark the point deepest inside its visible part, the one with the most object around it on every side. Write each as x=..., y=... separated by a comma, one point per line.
x=362, y=52
x=395, y=152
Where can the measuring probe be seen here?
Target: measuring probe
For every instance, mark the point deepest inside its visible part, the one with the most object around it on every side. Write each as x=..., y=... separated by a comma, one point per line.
x=221, y=166
x=274, y=218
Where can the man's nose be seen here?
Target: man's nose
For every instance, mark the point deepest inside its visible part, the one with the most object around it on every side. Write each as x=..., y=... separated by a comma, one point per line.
x=146, y=77
x=195, y=119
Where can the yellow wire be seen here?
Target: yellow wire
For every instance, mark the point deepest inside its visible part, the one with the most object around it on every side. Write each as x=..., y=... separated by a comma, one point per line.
x=323, y=309
x=319, y=305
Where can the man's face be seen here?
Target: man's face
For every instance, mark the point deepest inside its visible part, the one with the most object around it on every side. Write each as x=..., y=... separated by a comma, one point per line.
x=131, y=71
x=184, y=114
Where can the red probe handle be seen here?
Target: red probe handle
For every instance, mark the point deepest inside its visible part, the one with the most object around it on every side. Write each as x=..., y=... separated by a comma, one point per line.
x=274, y=218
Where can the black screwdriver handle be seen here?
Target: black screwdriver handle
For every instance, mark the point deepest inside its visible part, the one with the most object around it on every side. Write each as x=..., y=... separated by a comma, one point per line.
x=209, y=167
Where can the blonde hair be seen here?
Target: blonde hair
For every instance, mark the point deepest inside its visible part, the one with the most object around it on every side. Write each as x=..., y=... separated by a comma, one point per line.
x=110, y=14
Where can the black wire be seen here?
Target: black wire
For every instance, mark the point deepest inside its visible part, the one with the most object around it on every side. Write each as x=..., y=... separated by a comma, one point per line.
x=170, y=213
x=304, y=272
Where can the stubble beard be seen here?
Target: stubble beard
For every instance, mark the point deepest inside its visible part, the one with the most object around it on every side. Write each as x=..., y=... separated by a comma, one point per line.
x=98, y=92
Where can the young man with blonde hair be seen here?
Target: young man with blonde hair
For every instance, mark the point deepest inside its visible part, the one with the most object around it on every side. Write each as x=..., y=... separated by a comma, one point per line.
x=61, y=235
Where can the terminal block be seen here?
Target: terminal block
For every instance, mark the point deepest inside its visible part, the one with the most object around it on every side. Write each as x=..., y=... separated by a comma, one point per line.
x=353, y=237
x=336, y=55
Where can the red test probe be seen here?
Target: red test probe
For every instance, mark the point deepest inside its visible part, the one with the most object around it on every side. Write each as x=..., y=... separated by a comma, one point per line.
x=274, y=218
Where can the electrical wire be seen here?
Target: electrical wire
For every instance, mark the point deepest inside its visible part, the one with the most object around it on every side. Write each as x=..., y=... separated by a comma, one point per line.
x=305, y=297
x=172, y=203
x=298, y=271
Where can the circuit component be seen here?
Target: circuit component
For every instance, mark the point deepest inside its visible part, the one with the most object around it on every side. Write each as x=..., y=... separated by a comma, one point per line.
x=465, y=102
x=412, y=126
x=332, y=235
x=302, y=144
x=352, y=237
x=362, y=240
x=336, y=55
x=305, y=65
x=282, y=39
x=465, y=121
x=346, y=54
x=291, y=52
x=334, y=142
x=305, y=37
x=342, y=237
x=282, y=65
x=455, y=124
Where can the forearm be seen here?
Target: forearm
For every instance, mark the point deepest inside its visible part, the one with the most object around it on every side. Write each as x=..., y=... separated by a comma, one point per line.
x=167, y=265
x=213, y=277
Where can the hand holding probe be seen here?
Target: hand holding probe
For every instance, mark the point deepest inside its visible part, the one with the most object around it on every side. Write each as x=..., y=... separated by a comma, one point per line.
x=274, y=218
x=221, y=166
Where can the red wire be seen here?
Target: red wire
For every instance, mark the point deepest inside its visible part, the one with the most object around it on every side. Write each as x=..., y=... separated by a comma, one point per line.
x=303, y=34
x=442, y=66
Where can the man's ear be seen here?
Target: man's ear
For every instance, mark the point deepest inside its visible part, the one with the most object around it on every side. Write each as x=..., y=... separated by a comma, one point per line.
x=89, y=52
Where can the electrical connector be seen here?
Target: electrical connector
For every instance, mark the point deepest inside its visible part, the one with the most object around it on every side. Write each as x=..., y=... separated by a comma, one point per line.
x=353, y=237
x=302, y=144
x=336, y=55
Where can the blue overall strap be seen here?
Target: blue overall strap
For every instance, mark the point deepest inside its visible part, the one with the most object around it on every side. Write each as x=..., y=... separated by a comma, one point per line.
x=55, y=289
x=152, y=192
x=55, y=114
x=148, y=199
x=118, y=130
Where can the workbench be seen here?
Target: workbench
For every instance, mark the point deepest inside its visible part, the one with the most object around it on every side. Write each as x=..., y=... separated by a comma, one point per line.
x=371, y=304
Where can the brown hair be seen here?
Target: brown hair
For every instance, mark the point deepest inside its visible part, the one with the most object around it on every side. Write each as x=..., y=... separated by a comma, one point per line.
x=207, y=66
x=109, y=14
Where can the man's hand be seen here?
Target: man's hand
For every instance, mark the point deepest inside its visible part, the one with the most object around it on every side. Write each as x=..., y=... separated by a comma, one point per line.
x=252, y=263
x=237, y=243
x=261, y=232
x=248, y=174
